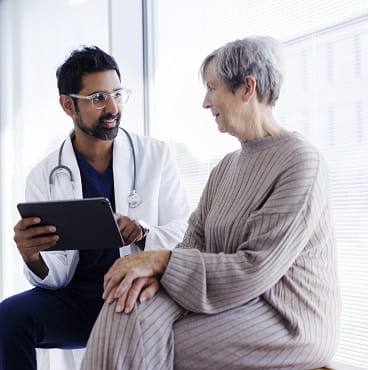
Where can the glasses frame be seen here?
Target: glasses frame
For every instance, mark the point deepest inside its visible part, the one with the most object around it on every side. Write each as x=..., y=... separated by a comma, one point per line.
x=109, y=95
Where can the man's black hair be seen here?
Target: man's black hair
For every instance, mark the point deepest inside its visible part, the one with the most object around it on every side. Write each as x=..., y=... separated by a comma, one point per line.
x=82, y=61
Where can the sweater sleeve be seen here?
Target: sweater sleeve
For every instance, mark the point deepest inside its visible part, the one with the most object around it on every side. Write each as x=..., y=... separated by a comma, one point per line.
x=276, y=233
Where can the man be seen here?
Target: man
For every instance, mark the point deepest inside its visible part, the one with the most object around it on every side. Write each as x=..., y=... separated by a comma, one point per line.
x=61, y=309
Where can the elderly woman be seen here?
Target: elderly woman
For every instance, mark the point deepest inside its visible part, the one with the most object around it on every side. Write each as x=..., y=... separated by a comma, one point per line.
x=253, y=284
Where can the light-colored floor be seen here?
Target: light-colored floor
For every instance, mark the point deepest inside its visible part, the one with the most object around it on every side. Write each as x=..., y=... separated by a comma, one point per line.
x=339, y=366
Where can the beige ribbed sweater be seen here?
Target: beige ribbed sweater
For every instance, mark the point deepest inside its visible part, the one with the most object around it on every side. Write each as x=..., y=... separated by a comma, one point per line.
x=253, y=285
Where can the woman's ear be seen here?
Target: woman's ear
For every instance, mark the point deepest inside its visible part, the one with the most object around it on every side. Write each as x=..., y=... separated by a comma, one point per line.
x=67, y=104
x=250, y=85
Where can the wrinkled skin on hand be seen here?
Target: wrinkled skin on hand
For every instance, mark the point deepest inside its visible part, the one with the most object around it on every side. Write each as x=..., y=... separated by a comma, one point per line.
x=134, y=278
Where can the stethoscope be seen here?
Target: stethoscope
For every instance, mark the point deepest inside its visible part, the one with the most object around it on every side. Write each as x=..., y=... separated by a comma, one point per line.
x=134, y=199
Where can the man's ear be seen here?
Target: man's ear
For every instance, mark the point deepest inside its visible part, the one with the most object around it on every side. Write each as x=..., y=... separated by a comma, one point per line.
x=249, y=88
x=67, y=104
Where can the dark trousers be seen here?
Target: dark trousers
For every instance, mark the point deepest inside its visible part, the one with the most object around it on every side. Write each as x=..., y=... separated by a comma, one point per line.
x=46, y=319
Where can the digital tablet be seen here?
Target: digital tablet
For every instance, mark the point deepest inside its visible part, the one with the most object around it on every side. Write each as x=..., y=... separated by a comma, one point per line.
x=81, y=224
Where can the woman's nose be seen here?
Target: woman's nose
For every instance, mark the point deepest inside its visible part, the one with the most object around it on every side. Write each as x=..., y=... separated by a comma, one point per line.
x=206, y=102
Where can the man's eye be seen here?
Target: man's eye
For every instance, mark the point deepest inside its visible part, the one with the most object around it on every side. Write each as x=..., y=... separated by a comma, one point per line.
x=99, y=97
x=117, y=94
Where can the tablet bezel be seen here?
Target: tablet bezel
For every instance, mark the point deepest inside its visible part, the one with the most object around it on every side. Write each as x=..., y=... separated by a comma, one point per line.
x=82, y=224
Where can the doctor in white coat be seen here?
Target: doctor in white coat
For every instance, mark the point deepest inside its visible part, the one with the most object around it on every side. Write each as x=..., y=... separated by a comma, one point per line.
x=135, y=172
x=163, y=210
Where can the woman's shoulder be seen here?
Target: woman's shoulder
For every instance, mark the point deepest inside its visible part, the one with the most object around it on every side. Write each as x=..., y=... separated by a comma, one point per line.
x=300, y=160
x=226, y=160
x=298, y=150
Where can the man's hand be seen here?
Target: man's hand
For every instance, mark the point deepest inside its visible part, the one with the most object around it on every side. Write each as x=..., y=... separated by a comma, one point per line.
x=31, y=240
x=123, y=275
x=129, y=229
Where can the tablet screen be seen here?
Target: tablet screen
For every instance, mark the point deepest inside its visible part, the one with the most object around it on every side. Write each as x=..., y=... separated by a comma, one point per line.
x=80, y=223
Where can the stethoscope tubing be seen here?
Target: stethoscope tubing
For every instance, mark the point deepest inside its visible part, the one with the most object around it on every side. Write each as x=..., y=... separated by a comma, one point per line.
x=133, y=199
x=133, y=189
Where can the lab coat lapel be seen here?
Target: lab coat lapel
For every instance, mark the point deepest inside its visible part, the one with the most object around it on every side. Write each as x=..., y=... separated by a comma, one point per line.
x=63, y=188
x=123, y=172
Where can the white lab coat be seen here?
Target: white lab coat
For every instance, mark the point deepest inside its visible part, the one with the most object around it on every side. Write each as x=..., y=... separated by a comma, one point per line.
x=164, y=209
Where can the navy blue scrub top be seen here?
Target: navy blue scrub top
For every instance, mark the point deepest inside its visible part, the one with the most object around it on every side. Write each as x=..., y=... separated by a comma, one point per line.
x=93, y=264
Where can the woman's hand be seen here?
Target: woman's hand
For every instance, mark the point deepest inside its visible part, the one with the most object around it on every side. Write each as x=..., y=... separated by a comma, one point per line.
x=122, y=275
x=141, y=290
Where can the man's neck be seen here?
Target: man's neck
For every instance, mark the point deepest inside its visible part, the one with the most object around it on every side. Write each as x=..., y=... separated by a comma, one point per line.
x=97, y=153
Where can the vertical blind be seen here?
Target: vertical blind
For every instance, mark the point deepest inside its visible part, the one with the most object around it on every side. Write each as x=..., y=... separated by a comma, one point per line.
x=324, y=97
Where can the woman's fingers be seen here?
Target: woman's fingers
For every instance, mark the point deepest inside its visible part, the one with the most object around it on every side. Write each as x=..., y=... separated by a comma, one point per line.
x=111, y=296
x=127, y=300
x=150, y=289
x=140, y=290
x=127, y=269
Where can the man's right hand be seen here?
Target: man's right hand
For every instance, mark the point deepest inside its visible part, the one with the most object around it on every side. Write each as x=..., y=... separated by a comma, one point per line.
x=31, y=240
x=129, y=229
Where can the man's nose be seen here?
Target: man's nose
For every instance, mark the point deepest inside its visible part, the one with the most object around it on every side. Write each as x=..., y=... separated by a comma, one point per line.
x=112, y=106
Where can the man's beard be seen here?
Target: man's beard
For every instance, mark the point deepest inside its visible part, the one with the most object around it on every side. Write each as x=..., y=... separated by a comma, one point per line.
x=98, y=130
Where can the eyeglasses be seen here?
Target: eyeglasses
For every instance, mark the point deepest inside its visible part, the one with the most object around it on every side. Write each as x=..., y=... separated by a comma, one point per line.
x=100, y=99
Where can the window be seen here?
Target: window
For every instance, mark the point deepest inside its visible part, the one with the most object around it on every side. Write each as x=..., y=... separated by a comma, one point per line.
x=32, y=121
x=324, y=98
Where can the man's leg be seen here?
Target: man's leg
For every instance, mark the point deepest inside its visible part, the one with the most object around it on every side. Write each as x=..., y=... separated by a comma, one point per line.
x=141, y=340
x=40, y=318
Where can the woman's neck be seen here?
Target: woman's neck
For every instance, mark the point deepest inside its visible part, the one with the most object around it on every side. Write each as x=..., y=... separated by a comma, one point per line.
x=261, y=123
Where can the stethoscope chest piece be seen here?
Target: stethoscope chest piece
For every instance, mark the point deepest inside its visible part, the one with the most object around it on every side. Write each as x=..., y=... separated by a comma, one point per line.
x=134, y=199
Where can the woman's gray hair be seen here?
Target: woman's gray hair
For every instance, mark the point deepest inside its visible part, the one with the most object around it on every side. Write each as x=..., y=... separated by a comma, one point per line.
x=258, y=56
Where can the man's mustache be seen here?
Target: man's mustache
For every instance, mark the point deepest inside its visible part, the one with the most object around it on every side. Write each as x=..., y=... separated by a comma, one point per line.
x=109, y=116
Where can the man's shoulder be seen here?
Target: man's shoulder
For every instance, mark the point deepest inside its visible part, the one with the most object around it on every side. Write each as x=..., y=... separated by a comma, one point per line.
x=146, y=139
x=143, y=142
x=44, y=164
